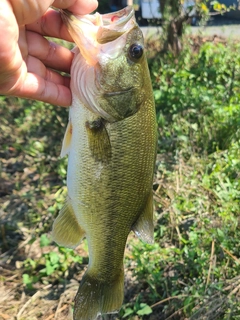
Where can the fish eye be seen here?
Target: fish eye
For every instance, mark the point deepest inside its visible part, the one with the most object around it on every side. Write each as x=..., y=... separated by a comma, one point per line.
x=135, y=51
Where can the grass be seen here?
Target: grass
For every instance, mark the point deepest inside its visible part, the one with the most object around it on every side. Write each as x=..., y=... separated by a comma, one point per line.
x=193, y=269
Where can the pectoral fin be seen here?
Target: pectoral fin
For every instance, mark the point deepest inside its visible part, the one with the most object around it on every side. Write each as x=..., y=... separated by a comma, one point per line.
x=66, y=230
x=67, y=140
x=98, y=140
x=144, y=227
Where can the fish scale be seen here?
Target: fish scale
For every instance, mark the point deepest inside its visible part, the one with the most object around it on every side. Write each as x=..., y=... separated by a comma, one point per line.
x=111, y=145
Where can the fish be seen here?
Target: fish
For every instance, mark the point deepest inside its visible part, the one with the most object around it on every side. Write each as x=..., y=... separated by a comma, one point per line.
x=111, y=141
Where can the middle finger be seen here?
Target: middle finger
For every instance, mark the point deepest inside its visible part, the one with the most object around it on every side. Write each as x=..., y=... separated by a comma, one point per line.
x=51, y=54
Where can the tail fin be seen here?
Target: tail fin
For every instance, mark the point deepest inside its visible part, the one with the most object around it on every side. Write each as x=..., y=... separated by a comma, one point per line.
x=97, y=297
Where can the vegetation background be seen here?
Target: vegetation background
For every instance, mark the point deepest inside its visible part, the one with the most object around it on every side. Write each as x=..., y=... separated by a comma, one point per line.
x=193, y=269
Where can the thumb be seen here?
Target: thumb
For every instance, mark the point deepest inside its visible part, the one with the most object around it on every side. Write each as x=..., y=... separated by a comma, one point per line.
x=27, y=11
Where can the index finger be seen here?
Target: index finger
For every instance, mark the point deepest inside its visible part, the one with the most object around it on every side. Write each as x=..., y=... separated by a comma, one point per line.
x=51, y=25
x=76, y=6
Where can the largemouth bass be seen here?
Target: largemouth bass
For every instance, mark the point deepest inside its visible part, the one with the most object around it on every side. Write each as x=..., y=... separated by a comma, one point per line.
x=111, y=144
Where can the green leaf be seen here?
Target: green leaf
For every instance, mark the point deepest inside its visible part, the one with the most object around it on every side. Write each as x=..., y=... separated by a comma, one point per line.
x=26, y=279
x=54, y=258
x=183, y=138
x=49, y=268
x=128, y=311
x=157, y=94
x=38, y=146
x=145, y=310
x=44, y=241
x=220, y=234
x=194, y=126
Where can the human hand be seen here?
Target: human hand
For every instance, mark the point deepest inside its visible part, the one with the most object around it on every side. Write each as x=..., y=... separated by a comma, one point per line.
x=27, y=59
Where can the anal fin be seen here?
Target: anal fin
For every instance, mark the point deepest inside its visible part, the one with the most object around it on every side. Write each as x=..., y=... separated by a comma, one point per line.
x=144, y=227
x=66, y=229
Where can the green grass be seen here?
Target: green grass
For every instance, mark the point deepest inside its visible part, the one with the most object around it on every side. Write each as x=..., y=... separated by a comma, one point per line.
x=193, y=269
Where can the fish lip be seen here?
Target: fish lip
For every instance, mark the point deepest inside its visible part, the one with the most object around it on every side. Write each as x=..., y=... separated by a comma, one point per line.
x=116, y=93
x=123, y=15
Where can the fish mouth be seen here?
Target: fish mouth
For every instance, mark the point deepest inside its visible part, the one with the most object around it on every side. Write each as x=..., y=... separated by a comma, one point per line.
x=95, y=34
x=113, y=21
x=117, y=93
